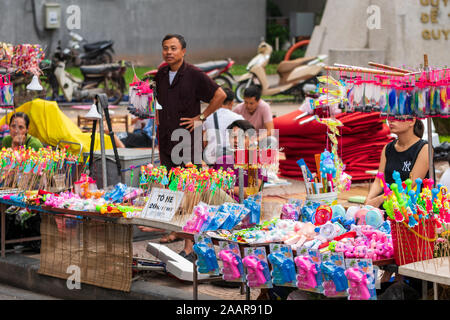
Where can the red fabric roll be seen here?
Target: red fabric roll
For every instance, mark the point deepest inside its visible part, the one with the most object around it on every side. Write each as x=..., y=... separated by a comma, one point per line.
x=362, y=139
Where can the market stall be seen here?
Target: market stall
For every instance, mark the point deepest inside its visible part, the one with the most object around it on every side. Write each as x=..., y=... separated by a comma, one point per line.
x=315, y=245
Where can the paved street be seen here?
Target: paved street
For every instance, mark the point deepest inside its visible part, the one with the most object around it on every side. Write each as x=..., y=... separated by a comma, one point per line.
x=11, y=293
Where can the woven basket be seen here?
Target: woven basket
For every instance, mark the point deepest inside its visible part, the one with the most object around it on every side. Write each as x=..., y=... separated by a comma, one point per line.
x=413, y=244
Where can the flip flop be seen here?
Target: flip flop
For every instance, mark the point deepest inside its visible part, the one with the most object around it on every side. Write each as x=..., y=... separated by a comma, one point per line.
x=170, y=238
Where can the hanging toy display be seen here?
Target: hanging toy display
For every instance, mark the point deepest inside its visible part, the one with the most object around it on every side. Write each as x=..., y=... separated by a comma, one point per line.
x=6, y=92
x=338, y=178
x=419, y=94
x=141, y=100
x=22, y=58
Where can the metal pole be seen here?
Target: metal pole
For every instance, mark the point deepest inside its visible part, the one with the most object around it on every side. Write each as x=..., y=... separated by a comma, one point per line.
x=195, y=278
x=429, y=131
x=241, y=185
x=430, y=150
x=102, y=148
x=3, y=229
x=153, y=138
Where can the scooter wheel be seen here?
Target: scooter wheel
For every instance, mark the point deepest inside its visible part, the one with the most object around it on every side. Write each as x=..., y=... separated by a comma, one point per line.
x=224, y=82
x=239, y=92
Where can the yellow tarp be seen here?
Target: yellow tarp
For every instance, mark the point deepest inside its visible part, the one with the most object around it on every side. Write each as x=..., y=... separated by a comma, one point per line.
x=50, y=125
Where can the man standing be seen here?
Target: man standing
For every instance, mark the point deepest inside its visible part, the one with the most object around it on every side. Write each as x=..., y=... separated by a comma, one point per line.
x=180, y=87
x=215, y=126
x=256, y=110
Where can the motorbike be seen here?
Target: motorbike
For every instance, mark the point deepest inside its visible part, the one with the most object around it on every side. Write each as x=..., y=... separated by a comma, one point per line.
x=94, y=53
x=217, y=70
x=105, y=78
x=295, y=77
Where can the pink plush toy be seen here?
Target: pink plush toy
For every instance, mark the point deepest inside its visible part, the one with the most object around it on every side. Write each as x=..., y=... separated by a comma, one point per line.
x=360, y=252
x=388, y=250
x=380, y=250
x=360, y=241
x=371, y=254
x=350, y=252
x=340, y=247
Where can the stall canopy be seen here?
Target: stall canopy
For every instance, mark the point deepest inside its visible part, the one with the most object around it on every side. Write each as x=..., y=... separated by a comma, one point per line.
x=50, y=125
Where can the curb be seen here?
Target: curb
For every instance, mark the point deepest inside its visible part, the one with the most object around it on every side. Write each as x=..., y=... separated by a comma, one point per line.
x=22, y=272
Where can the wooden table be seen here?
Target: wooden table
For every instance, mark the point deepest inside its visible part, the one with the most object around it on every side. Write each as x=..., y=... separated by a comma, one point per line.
x=435, y=270
x=190, y=236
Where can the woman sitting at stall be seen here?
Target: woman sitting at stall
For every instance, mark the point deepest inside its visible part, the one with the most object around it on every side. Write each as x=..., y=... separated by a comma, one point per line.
x=408, y=154
x=18, y=128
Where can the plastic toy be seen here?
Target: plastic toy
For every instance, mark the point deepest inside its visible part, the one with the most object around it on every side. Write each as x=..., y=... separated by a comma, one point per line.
x=257, y=271
x=323, y=214
x=374, y=217
x=133, y=194
x=289, y=211
x=199, y=217
x=111, y=209
x=233, y=268
x=283, y=268
x=334, y=274
x=307, y=272
x=255, y=211
x=327, y=166
x=206, y=258
x=116, y=194
x=358, y=284
x=344, y=221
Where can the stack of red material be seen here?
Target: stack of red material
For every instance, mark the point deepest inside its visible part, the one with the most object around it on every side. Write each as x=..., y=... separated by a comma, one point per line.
x=362, y=139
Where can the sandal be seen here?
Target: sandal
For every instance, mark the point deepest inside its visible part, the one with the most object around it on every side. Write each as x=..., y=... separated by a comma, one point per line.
x=171, y=237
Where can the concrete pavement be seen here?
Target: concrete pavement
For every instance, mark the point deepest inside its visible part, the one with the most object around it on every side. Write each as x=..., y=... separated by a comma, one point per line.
x=12, y=293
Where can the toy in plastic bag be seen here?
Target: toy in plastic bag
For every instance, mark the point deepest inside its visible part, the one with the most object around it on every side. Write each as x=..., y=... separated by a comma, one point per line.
x=361, y=279
x=6, y=93
x=291, y=210
x=309, y=276
x=283, y=267
x=258, y=273
x=116, y=194
x=335, y=281
x=206, y=256
x=233, y=267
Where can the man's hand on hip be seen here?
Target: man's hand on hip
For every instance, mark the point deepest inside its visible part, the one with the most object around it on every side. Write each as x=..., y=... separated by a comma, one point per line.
x=191, y=123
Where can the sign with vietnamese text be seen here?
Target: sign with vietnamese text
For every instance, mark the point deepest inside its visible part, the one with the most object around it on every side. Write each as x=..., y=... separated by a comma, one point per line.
x=162, y=204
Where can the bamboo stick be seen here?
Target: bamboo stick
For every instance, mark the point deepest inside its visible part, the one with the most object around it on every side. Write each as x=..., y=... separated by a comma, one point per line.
x=361, y=70
x=383, y=66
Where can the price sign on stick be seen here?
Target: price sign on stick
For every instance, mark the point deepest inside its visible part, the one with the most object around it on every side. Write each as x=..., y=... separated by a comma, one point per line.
x=162, y=204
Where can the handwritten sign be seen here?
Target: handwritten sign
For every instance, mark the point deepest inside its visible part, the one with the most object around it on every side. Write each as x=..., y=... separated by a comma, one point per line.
x=162, y=204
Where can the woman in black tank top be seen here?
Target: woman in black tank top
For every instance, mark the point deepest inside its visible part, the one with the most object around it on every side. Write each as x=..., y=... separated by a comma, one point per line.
x=408, y=154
